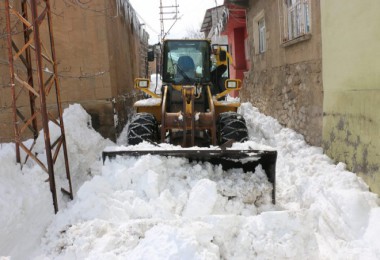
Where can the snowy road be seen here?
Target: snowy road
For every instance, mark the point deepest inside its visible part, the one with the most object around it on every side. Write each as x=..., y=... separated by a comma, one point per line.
x=159, y=208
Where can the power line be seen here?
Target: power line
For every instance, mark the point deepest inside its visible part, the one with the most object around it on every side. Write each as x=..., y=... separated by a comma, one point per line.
x=145, y=22
x=168, y=12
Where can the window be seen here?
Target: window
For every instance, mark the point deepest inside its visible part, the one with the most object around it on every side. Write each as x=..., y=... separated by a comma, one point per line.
x=185, y=61
x=262, y=42
x=259, y=33
x=297, y=13
x=225, y=47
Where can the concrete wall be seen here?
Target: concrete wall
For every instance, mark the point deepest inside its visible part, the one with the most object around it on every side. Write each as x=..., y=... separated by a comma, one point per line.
x=98, y=51
x=286, y=80
x=351, y=78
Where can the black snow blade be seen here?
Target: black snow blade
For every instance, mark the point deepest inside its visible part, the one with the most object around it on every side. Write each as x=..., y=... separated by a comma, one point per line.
x=248, y=160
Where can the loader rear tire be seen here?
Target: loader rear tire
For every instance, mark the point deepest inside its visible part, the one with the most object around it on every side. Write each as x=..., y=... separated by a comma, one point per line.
x=143, y=127
x=231, y=126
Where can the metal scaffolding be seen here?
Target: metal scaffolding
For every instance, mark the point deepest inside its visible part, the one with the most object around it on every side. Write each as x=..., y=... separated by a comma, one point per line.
x=34, y=82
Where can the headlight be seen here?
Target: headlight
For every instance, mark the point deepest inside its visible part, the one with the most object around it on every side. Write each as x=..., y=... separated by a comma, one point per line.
x=232, y=84
x=142, y=83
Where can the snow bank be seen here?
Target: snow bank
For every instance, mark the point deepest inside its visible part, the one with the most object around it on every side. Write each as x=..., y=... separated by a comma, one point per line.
x=84, y=145
x=168, y=208
x=153, y=193
x=25, y=205
x=25, y=199
x=307, y=179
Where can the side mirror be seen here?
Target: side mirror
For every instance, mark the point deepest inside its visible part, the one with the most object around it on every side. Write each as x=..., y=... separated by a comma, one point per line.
x=232, y=84
x=150, y=55
x=142, y=83
x=222, y=55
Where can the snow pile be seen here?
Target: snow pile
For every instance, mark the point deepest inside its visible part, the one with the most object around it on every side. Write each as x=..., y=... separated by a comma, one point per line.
x=342, y=208
x=155, y=83
x=84, y=146
x=150, y=194
x=25, y=205
x=155, y=207
x=149, y=102
x=25, y=199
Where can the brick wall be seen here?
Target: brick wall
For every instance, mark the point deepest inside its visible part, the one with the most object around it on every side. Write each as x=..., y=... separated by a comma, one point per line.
x=98, y=46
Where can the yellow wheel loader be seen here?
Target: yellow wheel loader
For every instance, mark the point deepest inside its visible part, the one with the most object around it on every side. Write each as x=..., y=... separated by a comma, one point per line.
x=191, y=112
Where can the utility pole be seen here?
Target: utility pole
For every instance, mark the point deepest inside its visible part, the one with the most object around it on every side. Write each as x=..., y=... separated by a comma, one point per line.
x=168, y=13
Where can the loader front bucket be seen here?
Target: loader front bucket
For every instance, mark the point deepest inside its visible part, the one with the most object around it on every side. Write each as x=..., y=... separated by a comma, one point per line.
x=229, y=159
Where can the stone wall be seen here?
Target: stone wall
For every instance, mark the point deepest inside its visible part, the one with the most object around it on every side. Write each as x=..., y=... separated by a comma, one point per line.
x=98, y=46
x=285, y=81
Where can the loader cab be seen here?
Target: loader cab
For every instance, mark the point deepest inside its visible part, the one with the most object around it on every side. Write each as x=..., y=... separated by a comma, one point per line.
x=220, y=71
x=186, y=62
x=220, y=56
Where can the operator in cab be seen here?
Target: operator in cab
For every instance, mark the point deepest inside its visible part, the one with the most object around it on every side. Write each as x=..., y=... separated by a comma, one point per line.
x=221, y=61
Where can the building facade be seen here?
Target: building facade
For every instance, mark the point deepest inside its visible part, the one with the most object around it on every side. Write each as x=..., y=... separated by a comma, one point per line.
x=98, y=46
x=285, y=79
x=226, y=25
x=315, y=67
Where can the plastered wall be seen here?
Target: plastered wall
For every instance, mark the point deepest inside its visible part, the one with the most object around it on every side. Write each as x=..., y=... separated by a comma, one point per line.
x=351, y=77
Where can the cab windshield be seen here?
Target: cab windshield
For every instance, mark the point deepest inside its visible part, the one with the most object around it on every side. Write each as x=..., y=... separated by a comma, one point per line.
x=186, y=62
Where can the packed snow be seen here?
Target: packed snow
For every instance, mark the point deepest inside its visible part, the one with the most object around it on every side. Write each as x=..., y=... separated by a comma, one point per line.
x=155, y=83
x=149, y=102
x=155, y=207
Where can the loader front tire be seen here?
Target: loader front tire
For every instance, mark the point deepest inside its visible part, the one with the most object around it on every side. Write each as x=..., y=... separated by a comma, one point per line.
x=231, y=126
x=142, y=127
